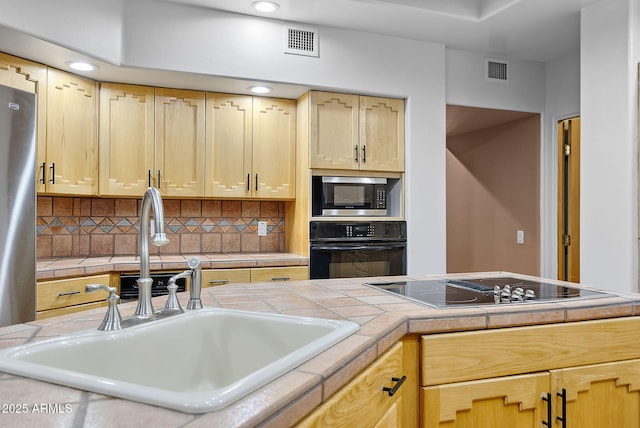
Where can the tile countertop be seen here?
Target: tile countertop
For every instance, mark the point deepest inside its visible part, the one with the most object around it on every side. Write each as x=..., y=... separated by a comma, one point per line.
x=74, y=267
x=383, y=319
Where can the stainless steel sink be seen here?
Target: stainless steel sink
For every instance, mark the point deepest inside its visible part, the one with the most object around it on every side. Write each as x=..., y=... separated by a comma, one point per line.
x=196, y=362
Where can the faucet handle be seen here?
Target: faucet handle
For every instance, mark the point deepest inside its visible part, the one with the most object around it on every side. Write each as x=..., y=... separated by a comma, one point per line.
x=172, y=301
x=112, y=318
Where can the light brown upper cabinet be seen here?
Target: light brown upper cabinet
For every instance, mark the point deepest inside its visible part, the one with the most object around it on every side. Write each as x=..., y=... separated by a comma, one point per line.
x=70, y=165
x=151, y=137
x=356, y=132
x=250, y=147
x=180, y=142
x=30, y=77
x=127, y=139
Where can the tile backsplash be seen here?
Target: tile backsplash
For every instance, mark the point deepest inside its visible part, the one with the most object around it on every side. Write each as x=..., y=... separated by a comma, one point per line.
x=88, y=227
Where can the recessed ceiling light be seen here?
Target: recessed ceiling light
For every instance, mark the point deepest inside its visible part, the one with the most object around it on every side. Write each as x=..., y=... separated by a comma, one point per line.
x=259, y=89
x=265, y=6
x=82, y=66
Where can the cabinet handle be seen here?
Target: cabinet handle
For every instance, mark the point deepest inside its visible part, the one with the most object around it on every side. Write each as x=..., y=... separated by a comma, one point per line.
x=219, y=281
x=364, y=153
x=43, y=168
x=159, y=182
x=68, y=293
x=256, y=182
x=282, y=278
x=563, y=418
x=547, y=397
x=52, y=180
x=149, y=177
x=399, y=381
x=248, y=182
x=356, y=149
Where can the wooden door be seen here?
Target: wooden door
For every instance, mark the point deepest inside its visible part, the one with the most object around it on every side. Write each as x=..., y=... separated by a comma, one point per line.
x=381, y=134
x=180, y=142
x=274, y=148
x=569, y=199
x=31, y=77
x=72, y=138
x=126, y=139
x=514, y=402
x=229, y=125
x=603, y=395
x=333, y=129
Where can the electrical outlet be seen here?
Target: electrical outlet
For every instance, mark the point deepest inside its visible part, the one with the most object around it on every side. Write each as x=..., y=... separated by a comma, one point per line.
x=520, y=237
x=262, y=228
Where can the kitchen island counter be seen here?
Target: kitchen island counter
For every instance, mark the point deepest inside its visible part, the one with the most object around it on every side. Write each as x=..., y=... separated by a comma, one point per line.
x=383, y=318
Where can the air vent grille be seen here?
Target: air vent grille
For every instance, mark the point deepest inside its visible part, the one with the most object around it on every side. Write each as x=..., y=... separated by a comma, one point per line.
x=497, y=70
x=301, y=41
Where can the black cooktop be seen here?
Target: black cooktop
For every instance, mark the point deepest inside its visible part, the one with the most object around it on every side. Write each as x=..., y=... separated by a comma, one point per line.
x=484, y=291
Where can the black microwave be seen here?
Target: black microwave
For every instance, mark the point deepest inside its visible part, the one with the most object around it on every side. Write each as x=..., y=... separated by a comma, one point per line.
x=348, y=196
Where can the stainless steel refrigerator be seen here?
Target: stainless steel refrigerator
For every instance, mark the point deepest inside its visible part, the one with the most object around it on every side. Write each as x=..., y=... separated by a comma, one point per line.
x=17, y=206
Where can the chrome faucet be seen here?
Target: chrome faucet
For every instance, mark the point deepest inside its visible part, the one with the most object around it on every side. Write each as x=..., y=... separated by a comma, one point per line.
x=150, y=198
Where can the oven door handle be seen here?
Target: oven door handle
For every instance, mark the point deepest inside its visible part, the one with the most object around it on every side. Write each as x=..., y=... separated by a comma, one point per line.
x=357, y=247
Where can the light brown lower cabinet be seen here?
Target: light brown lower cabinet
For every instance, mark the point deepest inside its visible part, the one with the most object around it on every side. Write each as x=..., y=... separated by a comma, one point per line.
x=215, y=277
x=65, y=296
x=592, y=376
x=383, y=395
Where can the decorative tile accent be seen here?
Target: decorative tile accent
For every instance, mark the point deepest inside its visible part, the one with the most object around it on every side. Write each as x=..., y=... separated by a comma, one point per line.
x=109, y=227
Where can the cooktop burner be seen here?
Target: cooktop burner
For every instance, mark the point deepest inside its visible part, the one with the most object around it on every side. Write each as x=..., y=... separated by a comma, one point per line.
x=484, y=291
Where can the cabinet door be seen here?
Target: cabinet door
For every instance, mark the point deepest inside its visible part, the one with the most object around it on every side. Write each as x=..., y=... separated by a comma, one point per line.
x=274, y=148
x=514, y=402
x=180, y=128
x=333, y=128
x=602, y=395
x=381, y=134
x=363, y=402
x=31, y=77
x=126, y=139
x=72, y=140
x=229, y=121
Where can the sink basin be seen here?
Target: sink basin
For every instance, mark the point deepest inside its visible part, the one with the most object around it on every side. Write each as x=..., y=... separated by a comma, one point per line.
x=195, y=362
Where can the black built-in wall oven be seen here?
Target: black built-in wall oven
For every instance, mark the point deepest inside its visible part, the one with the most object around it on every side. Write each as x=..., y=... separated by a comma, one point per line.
x=349, y=249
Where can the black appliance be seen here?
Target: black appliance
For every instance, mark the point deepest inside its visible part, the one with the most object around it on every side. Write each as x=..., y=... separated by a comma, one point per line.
x=349, y=249
x=348, y=196
x=451, y=293
x=129, y=285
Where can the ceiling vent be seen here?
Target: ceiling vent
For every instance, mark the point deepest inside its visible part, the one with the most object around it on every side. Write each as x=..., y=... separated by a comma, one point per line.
x=301, y=41
x=497, y=70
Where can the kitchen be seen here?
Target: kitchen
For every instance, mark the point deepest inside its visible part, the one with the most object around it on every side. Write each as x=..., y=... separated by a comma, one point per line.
x=432, y=75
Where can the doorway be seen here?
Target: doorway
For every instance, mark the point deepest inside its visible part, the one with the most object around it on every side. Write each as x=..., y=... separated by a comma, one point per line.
x=493, y=190
x=569, y=199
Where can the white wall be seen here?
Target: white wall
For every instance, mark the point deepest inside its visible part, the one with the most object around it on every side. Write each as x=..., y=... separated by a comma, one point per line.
x=609, y=157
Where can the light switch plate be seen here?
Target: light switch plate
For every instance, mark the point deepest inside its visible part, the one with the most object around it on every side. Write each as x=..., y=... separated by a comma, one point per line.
x=520, y=236
x=262, y=228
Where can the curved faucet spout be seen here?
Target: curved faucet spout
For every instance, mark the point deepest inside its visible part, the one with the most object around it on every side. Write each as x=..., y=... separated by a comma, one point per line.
x=150, y=199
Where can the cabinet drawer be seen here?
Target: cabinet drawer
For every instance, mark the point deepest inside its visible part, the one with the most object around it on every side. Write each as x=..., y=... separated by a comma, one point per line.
x=362, y=402
x=455, y=357
x=215, y=277
x=292, y=273
x=68, y=292
x=69, y=309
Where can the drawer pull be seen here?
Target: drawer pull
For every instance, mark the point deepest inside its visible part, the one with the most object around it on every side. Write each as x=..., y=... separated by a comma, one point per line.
x=282, y=278
x=68, y=293
x=219, y=281
x=399, y=382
